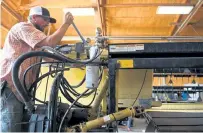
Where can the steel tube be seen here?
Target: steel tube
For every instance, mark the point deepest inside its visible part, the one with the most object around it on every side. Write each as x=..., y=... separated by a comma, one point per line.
x=153, y=37
x=79, y=33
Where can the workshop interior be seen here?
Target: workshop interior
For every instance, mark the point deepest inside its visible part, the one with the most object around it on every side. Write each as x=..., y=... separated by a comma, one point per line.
x=122, y=66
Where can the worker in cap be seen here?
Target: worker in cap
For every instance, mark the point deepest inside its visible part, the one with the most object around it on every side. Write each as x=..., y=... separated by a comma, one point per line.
x=24, y=37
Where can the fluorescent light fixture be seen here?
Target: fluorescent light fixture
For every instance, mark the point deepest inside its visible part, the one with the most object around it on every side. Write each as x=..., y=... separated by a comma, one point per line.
x=80, y=11
x=174, y=9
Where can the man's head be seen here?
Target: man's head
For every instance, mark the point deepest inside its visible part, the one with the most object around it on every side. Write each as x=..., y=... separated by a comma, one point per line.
x=40, y=17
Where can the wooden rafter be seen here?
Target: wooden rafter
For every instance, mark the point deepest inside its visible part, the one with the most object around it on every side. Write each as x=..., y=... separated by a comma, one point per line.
x=13, y=13
x=98, y=16
x=4, y=27
x=103, y=2
x=189, y=17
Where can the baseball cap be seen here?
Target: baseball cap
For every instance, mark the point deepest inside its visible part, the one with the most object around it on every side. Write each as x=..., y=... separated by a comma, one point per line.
x=38, y=10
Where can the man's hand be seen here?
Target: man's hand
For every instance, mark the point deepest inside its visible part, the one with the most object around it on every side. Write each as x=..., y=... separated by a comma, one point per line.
x=68, y=18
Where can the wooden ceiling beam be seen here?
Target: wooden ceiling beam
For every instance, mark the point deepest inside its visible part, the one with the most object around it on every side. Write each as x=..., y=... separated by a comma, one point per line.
x=189, y=17
x=10, y=4
x=103, y=12
x=98, y=16
x=13, y=13
x=178, y=22
x=145, y=4
x=4, y=27
x=59, y=4
x=27, y=7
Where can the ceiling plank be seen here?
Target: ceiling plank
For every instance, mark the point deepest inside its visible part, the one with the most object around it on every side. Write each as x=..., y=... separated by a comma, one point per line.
x=58, y=4
x=189, y=17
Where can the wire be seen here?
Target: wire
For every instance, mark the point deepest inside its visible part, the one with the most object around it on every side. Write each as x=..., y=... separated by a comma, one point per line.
x=39, y=79
x=70, y=99
x=92, y=98
x=15, y=72
x=65, y=91
x=81, y=83
x=33, y=65
x=39, y=82
x=140, y=88
x=67, y=111
x=61, y=46
x=67, y=86
x=43, y=76
x=45, y=94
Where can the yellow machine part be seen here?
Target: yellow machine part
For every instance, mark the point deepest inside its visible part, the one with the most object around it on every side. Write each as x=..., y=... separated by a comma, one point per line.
x=125, y=63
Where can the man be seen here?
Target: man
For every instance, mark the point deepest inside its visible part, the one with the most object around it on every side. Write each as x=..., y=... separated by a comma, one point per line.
x=24, y=37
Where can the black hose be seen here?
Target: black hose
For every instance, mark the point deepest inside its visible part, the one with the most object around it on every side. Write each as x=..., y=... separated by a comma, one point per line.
x=61, y=46
x=33, y=65
x=92, y=98
x=75, y=93
x=73, y=60
x=66, y=94
x=81, y=83
x=41, y=77
x=52, y=104
x=70, y=99
x=15, y=69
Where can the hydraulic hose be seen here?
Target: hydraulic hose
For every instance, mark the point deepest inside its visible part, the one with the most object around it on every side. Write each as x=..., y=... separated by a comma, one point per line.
x=15, y=71
x=30, y=67
x=73, y=60
x=40, y=78
x=52, y=105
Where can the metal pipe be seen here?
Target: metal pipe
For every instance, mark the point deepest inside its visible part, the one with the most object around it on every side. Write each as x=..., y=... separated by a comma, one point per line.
x=68, y=38
x=84, y=41
x=98, y=99
x=189, y=17
x=154, y=37
x=95, y=105
x=144, y=5
x=84, y=127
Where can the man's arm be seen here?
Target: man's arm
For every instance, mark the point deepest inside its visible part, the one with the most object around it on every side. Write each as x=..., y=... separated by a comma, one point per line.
x=56, y=37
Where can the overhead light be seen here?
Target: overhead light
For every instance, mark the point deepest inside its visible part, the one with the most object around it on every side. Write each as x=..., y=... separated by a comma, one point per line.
x=80, y=11
x=174, y=9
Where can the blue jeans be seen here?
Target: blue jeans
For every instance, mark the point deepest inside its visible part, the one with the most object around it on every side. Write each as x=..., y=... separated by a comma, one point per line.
x=11, y=112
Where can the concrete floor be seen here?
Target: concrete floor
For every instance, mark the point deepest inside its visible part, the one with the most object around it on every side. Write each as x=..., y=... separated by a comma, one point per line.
x=139, y=125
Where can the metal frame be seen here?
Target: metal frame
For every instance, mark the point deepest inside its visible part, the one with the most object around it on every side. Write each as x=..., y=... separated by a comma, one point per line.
x=157, y=55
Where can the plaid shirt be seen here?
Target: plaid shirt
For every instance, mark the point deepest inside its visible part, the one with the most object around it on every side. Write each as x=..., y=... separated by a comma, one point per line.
x=22, y=38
